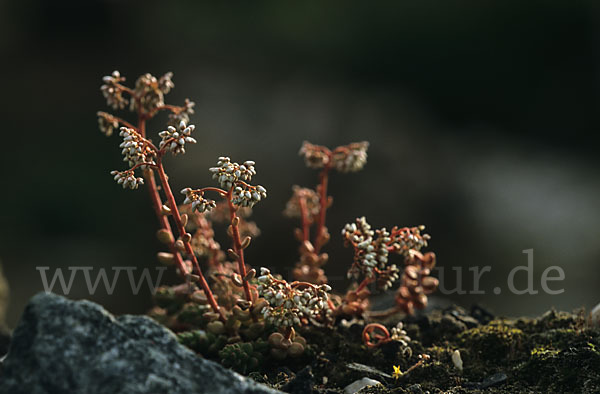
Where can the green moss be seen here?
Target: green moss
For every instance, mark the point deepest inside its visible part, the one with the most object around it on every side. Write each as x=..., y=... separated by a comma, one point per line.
x=496, y=340
x=554, y=353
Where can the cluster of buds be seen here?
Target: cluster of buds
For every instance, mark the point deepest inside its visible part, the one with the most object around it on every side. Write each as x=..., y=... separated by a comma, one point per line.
x=248, y=195
x=416, y=281
x=127, y=179
x=150, y=91
x=196, y=198
x=347, y=158
x=233, y=176
x=135, y=148
x=308, y=269
x=291, y=304
x=174, y=140
x=182, y=114
x=350, y=158
x=372, y=249
x=107, y=123
x=398, y=334
x=406, y=239
x=203, y=238
x=370, y=252
x=303, y=196
x=315, y=156
x=228, y=173
x=112, y=90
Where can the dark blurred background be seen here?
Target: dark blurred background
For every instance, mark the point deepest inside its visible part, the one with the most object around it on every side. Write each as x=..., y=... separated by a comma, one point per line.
x=481, y=118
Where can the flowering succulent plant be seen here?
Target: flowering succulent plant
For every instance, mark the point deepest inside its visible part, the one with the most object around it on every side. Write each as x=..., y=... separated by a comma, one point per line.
x=240, y=317
x=292, y=304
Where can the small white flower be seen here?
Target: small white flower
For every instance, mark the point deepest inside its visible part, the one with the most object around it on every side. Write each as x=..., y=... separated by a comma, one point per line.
x=112, y=92
x=135, y=148
x=199, y=203
x=174, y=139
x=228, y=173
x=248, y=196
x=127, y=179
x=350, y=158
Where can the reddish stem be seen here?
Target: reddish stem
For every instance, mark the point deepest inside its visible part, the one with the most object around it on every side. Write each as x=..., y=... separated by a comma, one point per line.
x=163, y=220
x=173, y=108
x=124, y=123
x=188, y=247
x=375, y=331
x=237, y=245
x=213, y=189
x=157, y=203
x=305, y=221
x=363, y=284
x=324, y=178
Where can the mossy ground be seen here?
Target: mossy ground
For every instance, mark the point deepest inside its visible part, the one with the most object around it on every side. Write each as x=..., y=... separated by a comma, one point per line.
x=556, y=353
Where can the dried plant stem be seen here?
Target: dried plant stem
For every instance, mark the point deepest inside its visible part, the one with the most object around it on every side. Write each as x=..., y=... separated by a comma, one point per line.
x=324, y=180
x=237, y=245
x=289, y=333
x=188, y=247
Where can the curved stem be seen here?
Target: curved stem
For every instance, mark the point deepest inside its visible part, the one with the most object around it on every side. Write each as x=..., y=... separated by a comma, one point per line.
x=237, y=245
x=125, y=123
x=188, y=247
x=363, y=284
x=163, y=220
x=209, y=189
x=157, y=203
x=138, y=165
x=173, y=108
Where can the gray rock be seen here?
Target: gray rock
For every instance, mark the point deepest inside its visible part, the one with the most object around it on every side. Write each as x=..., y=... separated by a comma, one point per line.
x=365, y=369
x=596, y=314
x=63, y=346
x=358, y=385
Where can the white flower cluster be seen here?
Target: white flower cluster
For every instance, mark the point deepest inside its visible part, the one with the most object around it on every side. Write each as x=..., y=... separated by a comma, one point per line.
x=111, y=91
x=407, y=239
x=399, y=334
x=135, y=148
x=199, y=203
x=315, y=156
x=183, y=115
x=350, y=158
x=289, y=305
x=107, y=123
x=369, y=252
x=372, y=249
x=228, y=173
x=127, y=179
x=174, y=140
x=165, y=84
x=150, y=91
x=346, y=158
x=247, y=196
x=387, y=277
x=311, y=199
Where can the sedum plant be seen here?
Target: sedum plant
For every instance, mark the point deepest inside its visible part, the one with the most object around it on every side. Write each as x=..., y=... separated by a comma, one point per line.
x=227, y=312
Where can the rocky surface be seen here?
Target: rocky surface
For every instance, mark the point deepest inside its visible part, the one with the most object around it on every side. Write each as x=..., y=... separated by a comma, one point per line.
x=63, y=346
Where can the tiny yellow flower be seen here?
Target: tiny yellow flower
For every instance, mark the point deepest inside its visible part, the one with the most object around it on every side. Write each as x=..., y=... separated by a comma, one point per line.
x=397, y=372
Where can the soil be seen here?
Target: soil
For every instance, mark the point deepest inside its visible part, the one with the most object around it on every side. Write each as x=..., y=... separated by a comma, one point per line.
x=558, y=352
